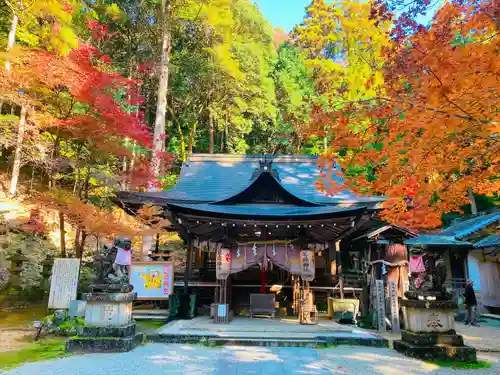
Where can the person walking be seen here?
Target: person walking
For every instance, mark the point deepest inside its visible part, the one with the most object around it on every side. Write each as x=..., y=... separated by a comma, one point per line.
x=470, y=303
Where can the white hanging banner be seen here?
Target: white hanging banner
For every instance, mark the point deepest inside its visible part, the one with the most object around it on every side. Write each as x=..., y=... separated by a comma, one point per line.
x=307, y=265
x=223, y=259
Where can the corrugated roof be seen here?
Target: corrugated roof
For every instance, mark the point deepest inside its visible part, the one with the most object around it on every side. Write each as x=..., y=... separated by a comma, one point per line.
x=436, y=240
x=269, y=209
x=214, y=178
x=466, y=227
x=490, y=241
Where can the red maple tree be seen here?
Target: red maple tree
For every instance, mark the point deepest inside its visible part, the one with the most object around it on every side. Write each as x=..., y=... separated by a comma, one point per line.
x=435, y=135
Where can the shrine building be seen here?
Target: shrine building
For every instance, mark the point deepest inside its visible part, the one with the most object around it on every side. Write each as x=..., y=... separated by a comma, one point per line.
x=258, y=225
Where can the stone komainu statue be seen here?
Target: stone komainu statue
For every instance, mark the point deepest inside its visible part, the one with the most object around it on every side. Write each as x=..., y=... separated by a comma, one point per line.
x=113, y=265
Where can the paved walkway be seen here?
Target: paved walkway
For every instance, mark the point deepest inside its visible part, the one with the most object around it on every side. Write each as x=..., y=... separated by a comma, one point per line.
x=259, y=325
x=265, y=328
x=484, y=338
x=174, y=359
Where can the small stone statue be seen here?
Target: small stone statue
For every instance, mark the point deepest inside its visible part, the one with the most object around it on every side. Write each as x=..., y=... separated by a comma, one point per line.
x=441, y=273
x=113, y=267
x=122, y=259
x=431, y=284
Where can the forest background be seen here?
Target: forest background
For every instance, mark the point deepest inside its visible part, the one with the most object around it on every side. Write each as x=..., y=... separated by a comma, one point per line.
x=99, y=96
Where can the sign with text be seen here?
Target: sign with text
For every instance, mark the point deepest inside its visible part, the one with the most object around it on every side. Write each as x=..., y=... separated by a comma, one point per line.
x=64, y=282
x=307, y=266
x=393, y=296
x=380, y=304
x=152, y=280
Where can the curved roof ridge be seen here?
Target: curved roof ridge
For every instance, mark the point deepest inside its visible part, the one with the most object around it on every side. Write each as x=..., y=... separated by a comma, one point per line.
x=255, y=157
x=260, y=176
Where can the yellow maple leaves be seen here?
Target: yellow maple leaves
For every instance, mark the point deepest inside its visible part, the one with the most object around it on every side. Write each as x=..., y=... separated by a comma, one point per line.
x=46, y=24
x=344, y=46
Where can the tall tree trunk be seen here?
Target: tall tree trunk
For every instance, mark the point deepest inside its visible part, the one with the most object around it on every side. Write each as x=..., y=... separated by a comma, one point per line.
x=81, y=245
x=124, y=170
x=12, y=38
x=182, y=144
x=222, y=142
x=18, y=153
x=210, y=133
x=125, y=159
x=473, y=205
x=132, y=160
x=76, y=245
x=226, y=138
x=22, y=118
x=53, y=167
x=192, y=134
x=62, y=233
x=77, y=177
x=161, y=102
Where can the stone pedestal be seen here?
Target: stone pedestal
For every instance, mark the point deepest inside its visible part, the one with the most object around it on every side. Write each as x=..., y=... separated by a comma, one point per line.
x=108, y=325
x=430, y=332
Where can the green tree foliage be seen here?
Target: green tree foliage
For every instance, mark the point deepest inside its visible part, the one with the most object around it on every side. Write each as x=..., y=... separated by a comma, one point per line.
x=344, y=46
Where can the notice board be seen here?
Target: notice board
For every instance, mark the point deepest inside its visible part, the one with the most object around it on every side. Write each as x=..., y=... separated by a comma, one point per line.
x=64, y=282
x=152, y=280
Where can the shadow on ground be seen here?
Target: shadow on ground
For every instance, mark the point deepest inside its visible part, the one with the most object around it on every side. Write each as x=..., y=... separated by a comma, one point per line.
x=194, y=359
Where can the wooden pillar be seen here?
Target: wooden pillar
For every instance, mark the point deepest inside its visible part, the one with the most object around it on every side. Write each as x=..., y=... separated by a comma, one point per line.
x=189, y=264
x=332, y=262
x=338, y=258
x=339, y=268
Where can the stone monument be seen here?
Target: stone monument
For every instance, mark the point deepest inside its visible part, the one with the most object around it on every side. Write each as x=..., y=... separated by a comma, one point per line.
x=430, y=323
x=109, y=326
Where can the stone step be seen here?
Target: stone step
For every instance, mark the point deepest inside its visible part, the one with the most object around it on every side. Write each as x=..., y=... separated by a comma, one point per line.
x=429, y=339
x=84, y=345
x=252, y=341
x=150, y=314
x=270, y=340
x=436, y=352
x=127, y=330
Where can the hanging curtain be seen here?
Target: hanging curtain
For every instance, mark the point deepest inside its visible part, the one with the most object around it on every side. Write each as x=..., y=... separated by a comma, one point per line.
x=286, y=256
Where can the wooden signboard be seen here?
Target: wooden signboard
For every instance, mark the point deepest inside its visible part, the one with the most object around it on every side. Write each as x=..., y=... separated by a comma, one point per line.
x=393, y=295
x=380, y=299
x=64, y=282
x=406, y=287
x=152, y=280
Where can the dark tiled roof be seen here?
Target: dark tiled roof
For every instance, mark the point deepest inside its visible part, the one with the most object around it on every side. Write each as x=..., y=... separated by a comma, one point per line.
x=377, y=226
x=490, y=241
x=270, y=209
x=436, y=240
x=466, y=227
x=214, y=178
x=454, y=234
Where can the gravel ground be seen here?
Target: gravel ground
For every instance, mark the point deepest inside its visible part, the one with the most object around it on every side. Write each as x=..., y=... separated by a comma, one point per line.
x=14, y=339
x=174, y=359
